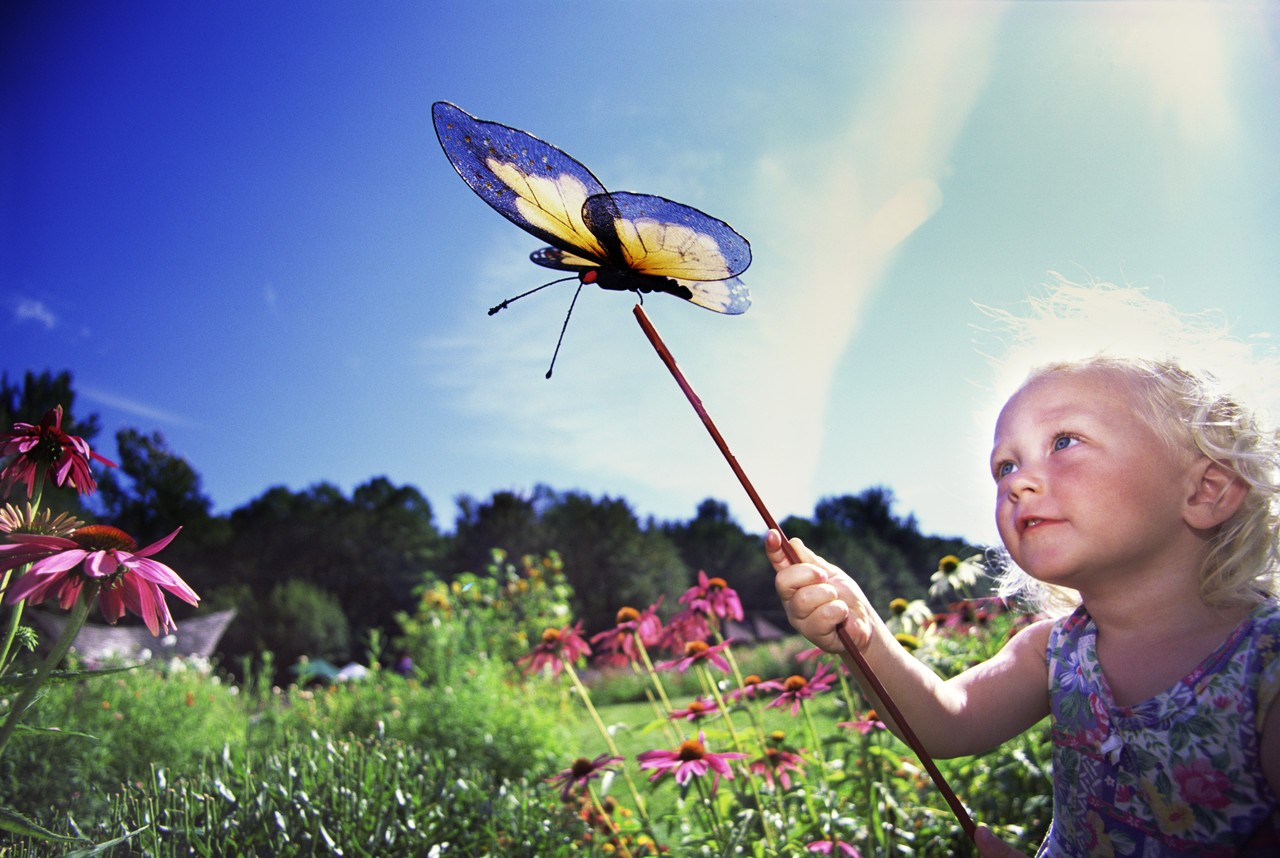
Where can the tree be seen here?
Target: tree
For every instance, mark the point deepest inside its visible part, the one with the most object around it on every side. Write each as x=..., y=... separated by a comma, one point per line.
x=609, y=561
x=507, y=520
x=368, y=551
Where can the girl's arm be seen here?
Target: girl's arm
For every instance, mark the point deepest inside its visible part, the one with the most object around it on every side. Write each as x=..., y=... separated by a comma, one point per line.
x=968, y=714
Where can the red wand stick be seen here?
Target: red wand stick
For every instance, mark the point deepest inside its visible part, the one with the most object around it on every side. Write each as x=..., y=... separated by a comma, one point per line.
x=867, y=673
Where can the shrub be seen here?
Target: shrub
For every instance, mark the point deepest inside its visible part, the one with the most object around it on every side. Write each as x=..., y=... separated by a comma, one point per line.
x=113, y=728
x=322, y=796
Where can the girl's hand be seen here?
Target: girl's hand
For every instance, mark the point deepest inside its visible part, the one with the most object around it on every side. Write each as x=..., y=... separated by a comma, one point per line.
x=818, y=596
x=990, y=846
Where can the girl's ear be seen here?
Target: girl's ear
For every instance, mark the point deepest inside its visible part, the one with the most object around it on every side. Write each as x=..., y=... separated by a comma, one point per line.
x=1217, y=493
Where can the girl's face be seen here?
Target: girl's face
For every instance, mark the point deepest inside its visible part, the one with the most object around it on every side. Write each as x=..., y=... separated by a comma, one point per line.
x=1085, y=489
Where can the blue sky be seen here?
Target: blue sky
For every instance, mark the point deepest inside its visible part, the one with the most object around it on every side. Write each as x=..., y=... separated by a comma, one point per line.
x=233, y=224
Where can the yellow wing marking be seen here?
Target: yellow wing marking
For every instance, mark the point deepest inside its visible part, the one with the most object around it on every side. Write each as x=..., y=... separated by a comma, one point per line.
x=671, y=249
x=552, y=204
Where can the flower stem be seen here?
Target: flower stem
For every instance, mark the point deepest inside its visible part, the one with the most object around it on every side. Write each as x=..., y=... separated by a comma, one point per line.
x=75, y=620
x=11, y=621
x=609, y=743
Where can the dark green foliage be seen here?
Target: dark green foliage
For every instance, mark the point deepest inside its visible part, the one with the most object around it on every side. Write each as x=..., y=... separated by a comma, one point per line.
x=886, y=554
x=367, y=551
x=296, y=619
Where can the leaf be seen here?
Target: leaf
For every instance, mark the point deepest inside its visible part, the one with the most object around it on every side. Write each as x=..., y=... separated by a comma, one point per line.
x=102, y=847
x=55, y=731
x=11, y=820
x=18, y=680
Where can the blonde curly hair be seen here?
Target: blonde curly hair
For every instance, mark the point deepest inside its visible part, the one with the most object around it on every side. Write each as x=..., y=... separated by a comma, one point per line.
x=1218, y=412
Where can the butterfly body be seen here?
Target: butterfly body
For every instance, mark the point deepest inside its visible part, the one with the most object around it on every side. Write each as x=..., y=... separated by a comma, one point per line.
x=618, y=241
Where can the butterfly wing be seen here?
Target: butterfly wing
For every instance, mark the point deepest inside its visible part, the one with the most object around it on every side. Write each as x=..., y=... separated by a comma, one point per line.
x=655, y=236
x=562, y=260
x=532, y=183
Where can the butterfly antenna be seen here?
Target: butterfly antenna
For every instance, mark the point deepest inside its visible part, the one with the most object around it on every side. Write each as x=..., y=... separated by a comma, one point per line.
x=507, y=303
x=563, y=327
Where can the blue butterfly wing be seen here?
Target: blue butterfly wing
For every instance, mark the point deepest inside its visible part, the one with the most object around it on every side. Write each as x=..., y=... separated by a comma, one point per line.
x=655, y=236
x=530, y=182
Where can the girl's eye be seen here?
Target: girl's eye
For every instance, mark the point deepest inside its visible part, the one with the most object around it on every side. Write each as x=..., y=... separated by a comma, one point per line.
x=1004, y=469
x=1062, y=442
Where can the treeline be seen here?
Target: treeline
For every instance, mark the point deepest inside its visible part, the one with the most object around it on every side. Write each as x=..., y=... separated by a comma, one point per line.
x=316, y=571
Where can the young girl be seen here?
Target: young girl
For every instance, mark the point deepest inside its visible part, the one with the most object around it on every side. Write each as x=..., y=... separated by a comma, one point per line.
x=1145, y=495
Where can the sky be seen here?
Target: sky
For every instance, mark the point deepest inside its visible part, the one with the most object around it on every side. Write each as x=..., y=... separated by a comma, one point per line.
x=233, y=224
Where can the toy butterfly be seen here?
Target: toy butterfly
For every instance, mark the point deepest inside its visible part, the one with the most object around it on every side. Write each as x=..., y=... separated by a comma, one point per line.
x=617, y=241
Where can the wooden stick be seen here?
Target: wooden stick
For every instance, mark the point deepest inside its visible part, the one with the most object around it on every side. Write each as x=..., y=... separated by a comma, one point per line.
x=859, y=659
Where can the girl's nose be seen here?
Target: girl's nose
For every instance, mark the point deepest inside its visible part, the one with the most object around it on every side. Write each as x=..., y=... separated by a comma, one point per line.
x=1024, y=480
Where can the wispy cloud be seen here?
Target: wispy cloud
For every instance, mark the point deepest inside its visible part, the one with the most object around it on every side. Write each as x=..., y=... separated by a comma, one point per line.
x=133, y=407
x=34, y=310
x=839, y=212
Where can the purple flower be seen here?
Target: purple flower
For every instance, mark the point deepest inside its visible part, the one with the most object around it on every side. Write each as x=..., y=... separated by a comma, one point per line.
x=695, y=652
x=34, y=446
x=582, y=771
x=777, y=762
x=753, y=685
x=701, y=707
x=713, y=597
x=126, y=576
x=826, y=847
x=559, y=647
x=618, y=644
x=797, y=688
x=691, y=759
x=870, y=721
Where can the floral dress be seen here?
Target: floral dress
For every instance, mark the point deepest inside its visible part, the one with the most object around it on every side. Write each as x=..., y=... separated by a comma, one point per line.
x=1177, y=774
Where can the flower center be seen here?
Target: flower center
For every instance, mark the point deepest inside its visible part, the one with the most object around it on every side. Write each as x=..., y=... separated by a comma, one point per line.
x=627, y=615
x=550, y=636
x=690, y=750
x=717, y=584
x=582, y=767
x=695, y=648
x=795, y=683
x=103, y=537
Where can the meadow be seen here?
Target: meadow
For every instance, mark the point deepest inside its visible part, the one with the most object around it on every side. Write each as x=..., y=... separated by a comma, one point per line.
x=512, y=734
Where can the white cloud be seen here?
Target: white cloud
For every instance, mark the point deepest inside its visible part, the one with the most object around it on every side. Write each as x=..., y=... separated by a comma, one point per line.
x=1180, y=52
x=839, y=212
x=33, y=310
x=131, y=406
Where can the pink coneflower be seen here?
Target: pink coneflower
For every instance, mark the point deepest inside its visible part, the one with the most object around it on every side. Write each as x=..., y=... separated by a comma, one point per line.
x=827, y=847
x=618, y=644
x=777, y=762
x=753, y=685
x=691, y=759
x=126, y=577
x=559, y=648
x=581, y=772
x=44, y=446
x=870, y=721
x=701, y=707
x=695, y=652
x=797, y=688
x=685, y=626
x=713, y=597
